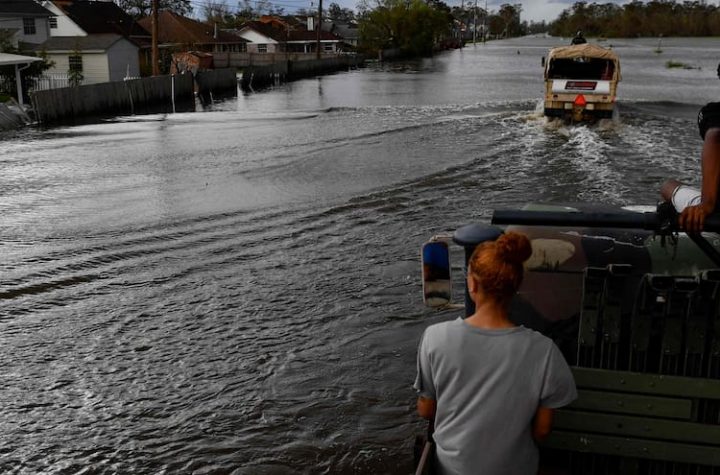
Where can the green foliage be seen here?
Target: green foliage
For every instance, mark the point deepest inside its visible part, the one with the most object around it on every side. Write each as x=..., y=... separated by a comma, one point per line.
x=504, y=23
x=678, y=65
x=414, y=27
x=27, y=74
x=75, y=74
x=6, y=43
x=636, y=18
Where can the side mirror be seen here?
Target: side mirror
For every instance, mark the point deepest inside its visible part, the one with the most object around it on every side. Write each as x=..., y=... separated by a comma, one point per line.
x=437, y=285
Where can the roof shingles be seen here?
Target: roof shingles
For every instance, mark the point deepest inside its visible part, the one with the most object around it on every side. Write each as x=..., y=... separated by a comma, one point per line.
x=173, y=28
x=26, y=8
x=101, y=18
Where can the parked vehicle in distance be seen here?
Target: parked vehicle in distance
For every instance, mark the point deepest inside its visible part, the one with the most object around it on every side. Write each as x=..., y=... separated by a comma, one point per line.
x=581, y=82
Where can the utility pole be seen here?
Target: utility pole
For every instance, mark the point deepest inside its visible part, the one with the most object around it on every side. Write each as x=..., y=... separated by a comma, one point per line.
x=475, y=25
x=319, y=28
x=155, y=54
x=484, y=22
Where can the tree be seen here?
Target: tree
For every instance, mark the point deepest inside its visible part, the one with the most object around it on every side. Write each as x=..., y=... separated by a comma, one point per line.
x=28, y=74
x=75, y=67
x=414, y=27
x=637, y=18
x=142, y=8
x=215, y=12
x=336, y=13
x=252, y=9
x=510, y=16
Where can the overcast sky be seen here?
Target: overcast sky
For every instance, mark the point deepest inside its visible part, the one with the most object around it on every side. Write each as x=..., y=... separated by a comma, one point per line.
x=533, y=10
x=538, y=10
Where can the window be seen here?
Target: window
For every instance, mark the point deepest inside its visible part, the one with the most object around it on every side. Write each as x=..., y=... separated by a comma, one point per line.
x=328, y=48
x=29, y=26
x=75, y=63
x=242, y=47
x=52, y=21
x=262, y=48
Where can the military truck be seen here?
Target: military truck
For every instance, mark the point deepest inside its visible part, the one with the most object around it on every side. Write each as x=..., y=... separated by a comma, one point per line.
x=634, y=305
x=581, y=82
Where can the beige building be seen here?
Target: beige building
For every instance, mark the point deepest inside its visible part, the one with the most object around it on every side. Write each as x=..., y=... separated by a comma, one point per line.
x=99, y=58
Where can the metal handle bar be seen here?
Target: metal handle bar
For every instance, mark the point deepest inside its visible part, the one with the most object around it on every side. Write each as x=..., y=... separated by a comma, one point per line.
x=651, y=221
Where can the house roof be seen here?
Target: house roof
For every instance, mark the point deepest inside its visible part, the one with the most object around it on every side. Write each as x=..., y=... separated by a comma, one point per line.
x=268, y=30
x=9, y=59
x=345, y=30
x=26, y=8
x=96, y=17
x=174, y=28
x=89, y=43
x=307, y=35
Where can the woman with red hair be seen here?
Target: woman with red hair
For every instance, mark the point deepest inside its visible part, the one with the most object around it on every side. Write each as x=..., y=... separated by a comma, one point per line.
x=489, y=385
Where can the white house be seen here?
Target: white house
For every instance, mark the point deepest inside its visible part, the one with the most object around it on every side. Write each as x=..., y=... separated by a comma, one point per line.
x=60, y=24
x=96, y=38
x=273, y=35
x=260, y=37
x=26, y=20
x=99, y=58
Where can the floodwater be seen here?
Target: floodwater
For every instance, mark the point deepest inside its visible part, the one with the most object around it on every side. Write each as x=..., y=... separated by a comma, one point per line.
x=238, y=290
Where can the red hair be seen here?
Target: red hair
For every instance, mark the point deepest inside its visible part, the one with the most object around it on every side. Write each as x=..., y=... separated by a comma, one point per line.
x=498, y=265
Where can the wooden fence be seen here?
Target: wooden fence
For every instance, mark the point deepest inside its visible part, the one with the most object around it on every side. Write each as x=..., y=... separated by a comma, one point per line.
x=262, y=76
x=244, y=60
x=216, y=80
x=110, y=98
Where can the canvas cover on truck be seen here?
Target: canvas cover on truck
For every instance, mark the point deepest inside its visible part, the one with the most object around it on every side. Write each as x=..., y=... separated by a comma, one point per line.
x=587, y=50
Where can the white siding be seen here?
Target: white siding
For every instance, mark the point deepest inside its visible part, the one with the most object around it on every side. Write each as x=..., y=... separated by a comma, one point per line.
x=41, y=30
x=123, y=57
x=65, y=26
x=95, y=66
x=270, y=48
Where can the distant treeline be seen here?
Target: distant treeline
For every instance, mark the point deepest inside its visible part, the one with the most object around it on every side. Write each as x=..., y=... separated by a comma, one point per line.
x=654, y=18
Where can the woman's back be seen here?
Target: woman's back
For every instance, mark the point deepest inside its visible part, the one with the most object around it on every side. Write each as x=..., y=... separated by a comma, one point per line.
x=488, y=384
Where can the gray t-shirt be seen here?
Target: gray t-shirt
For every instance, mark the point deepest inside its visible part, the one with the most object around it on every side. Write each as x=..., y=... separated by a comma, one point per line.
x=488, y=385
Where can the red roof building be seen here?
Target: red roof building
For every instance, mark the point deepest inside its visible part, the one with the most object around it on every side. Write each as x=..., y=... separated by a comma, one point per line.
x=182, y=33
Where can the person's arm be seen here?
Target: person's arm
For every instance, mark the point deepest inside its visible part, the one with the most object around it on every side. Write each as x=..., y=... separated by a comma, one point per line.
x=542, y=423
x=692, y=219
x=668, y=189
x=426, y=408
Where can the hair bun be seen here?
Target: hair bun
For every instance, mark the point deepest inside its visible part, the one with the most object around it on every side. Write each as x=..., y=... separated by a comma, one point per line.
x=514, y=247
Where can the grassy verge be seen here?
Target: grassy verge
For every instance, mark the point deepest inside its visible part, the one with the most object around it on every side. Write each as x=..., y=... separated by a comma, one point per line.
x=678, y=65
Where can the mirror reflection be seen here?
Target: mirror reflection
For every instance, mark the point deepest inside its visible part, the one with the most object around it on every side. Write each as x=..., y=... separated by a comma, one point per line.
x=437, y=285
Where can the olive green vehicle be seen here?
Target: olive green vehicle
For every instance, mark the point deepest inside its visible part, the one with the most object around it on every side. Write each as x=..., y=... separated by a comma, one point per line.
x=635, y=308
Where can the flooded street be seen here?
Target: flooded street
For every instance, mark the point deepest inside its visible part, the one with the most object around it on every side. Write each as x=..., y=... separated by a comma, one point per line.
x=238, y=290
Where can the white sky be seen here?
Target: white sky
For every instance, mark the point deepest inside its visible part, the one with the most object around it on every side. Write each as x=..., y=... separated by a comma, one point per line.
x=533, y=10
